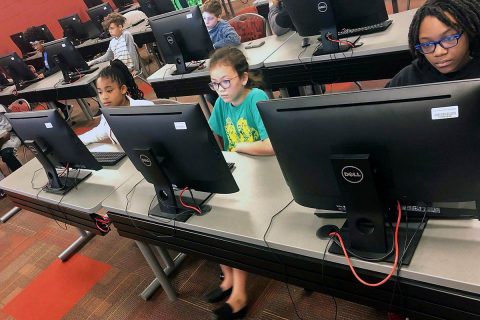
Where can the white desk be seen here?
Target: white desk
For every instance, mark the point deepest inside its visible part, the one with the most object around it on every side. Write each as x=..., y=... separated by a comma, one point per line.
x=168, y=85
x=51, y=89
x=77, y=206
x=394, y=39
x=440, y=281
x=381, y=56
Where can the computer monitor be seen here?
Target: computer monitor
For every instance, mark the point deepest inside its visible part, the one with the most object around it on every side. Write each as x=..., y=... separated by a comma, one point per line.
x=123, y=4
x=172, y=145
x=45, y=33
x=22, y=43
x=155, y=7
x=18, y=70
x=182, y=36
x=55, y=145
x=98, y=13
x=4, y=82
x=363, y=151
x=68, y=59
x=73, y=28
x=92, y=3
x=325, y=17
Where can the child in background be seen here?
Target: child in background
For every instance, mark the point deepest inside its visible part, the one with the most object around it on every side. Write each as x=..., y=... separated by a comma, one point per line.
x=220, y=31
x=122, y=45
x=237, y=126
x=444, y=36
x=116, y=87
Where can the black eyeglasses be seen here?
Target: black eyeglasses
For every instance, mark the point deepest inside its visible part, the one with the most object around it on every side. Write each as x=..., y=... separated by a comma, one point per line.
x=225, y=84
x=446, y=43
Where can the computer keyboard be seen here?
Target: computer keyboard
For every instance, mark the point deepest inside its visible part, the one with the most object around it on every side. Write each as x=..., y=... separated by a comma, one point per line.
x=108, y=158
x=344, y=33
x=23, y=84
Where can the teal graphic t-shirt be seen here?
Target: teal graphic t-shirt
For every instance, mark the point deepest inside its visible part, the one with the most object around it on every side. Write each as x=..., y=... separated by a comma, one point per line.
x=239, y=123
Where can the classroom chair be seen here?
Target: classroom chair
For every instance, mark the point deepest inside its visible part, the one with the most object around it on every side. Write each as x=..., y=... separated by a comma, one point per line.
x=249, y=26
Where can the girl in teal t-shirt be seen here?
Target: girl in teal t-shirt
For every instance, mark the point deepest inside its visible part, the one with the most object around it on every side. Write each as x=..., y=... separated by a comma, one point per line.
x=235, y=119
x=237, y=126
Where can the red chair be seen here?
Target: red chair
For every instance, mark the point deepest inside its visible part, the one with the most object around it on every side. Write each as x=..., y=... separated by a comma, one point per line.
x=249, y=26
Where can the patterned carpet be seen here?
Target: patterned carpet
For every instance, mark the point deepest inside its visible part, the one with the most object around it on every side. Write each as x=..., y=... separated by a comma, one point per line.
x=30, y=243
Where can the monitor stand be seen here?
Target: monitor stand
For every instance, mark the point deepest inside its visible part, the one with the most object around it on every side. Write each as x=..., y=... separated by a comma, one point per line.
x=327, y=46
x=56, y=184
x=177, y=53
x=366, y=232
x=169, y=205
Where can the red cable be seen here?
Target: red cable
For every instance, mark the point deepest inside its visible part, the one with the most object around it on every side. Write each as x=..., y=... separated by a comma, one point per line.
x=348, y=43
x=336, y=234
x=197, y=210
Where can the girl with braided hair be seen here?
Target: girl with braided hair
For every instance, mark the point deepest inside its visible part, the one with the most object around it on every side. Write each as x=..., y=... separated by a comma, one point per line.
x=115, y=87
x=444, y=37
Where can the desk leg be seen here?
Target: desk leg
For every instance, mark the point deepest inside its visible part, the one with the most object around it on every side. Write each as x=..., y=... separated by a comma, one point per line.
x=161, y=279
x=84, y=105
x=85, y=236
x=395, y=6
x=232, y=12
x=204, y=105
x=9, y=214
x=171, y=264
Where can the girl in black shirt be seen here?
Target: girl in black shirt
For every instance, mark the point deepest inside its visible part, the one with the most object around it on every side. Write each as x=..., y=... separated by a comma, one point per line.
x=445, y=38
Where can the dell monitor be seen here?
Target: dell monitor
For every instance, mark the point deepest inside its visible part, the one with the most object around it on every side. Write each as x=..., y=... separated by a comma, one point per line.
x=92, y=3
x=22, y=43
x=18, y=70
x=363, y=151
x=325, y=17
x=182, y=36
x=73, y=28
x=123, y=4
x=155, y=7
x=56, y=146
x=172, y=145
x=68, y=59
x=98, y=13
x=45, y=33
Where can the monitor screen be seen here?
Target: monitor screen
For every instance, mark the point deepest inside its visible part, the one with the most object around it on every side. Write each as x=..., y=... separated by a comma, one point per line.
x=64, y=54
x=325, y=17
x=122, y=4
x=22, y=43
x=45, y=33
x=413, y=144
x=92, y=3
x=155, y=7
x=55, y=145
x=17, y=69
x=73, y=28
x=181, y=37
x=172, y=145
x=98, y=13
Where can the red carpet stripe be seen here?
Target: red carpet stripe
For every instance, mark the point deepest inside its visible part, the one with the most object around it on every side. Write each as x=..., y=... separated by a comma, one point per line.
x=57, y=289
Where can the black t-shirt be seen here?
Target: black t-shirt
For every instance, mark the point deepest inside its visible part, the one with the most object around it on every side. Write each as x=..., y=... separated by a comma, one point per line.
x=420, y=73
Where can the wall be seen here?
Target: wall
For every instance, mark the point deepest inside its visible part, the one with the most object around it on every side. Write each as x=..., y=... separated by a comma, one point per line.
x=18, y=15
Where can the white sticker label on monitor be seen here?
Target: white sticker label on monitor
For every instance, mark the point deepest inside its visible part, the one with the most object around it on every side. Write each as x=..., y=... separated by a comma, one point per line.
x=189, y=16
x=445, y=113
x=180, y=125
x=48, y=125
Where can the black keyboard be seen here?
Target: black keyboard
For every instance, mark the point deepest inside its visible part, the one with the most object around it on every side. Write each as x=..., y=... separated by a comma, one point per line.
x=344, y=33
x=108, y=158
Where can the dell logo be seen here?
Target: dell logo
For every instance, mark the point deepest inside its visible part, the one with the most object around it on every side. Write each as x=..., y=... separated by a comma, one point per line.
x=170, y=40
x=352, y=174
x=145, y=160
x=322, y=7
